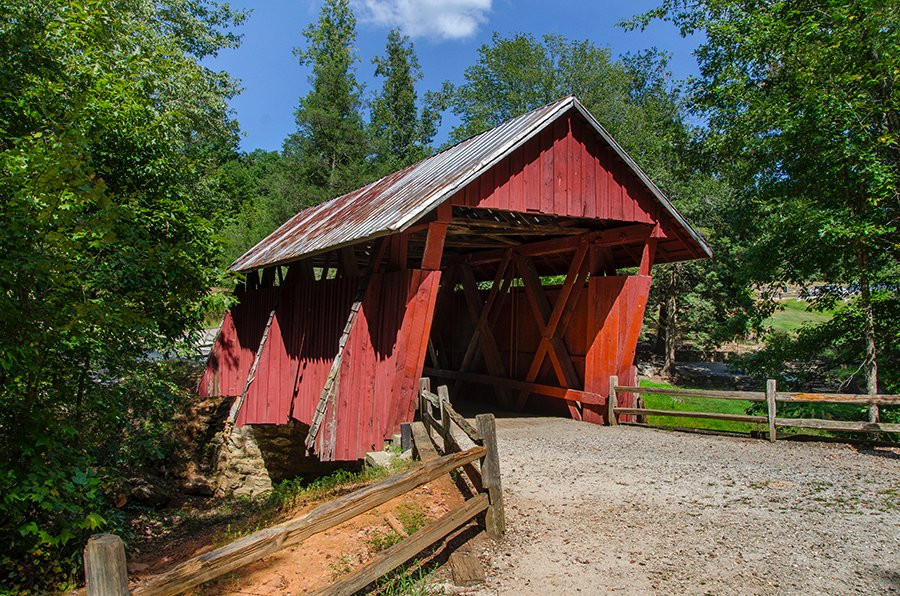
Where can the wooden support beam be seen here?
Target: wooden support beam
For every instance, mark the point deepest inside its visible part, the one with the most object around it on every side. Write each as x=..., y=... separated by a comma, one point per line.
x=482, y=337
x=495, y=519
x=633, y=234
x=434, y=245
x=647, y=256
x=584, y=397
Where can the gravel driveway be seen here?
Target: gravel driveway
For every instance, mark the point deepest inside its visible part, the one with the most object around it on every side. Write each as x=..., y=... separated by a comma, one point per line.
x=632, y=510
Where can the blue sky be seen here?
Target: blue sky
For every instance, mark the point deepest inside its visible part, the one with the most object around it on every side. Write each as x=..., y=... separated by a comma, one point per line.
x=446, y=34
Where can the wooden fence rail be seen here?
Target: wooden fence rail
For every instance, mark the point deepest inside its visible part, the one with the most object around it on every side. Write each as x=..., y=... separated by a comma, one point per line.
x=770, y=397
x=104, y=554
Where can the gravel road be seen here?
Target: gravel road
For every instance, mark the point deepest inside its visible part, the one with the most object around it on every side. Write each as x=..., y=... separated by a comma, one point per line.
x=632, y=510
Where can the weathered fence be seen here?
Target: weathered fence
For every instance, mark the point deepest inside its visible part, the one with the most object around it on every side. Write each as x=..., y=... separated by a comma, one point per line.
x=770, y=396
x=105, y=558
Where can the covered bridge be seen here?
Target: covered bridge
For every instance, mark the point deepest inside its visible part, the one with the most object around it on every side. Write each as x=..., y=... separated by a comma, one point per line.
x=444, y=268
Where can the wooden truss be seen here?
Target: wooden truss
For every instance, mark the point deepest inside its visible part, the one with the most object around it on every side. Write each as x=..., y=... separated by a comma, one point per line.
x=591, y=255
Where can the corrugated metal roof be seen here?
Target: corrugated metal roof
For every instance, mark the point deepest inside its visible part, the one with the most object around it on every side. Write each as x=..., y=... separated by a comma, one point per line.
x=398, y=200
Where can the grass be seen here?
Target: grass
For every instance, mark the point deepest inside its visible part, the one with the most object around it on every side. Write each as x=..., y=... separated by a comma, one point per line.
x=794, y=315
x=697, y=404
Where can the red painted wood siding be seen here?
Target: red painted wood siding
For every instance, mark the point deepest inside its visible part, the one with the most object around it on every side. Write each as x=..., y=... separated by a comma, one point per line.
x=617, y=311
x=566, y=170
x=381, y=364
x=234, y=350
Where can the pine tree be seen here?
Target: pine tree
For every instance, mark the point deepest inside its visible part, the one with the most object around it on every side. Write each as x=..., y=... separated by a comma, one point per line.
x=326, y=156
x=401, y=135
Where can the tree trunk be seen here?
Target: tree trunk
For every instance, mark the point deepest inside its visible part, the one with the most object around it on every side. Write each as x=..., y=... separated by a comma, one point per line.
x=871, y=362
x=659, y=344
x=671, y=322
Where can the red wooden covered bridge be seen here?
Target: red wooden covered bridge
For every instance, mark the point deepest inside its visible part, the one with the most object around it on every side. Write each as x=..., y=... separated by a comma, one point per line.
x=444, y=268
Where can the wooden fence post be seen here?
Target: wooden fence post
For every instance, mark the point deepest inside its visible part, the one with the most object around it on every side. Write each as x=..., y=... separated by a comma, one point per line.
x=495, y=518
x=770, y=400
x=105, y=573
x=444, y=398
x=424, y=385
x=612, y=401
x=405, y=436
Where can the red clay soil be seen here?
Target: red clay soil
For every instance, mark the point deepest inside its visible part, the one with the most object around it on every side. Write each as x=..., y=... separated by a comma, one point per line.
x=315, y=562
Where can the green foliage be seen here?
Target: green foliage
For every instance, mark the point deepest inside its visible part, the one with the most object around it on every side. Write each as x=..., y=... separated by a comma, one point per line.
x=830, y=352
x=802, y=119
x=110, y=132
x=326, y=155
x=401, y=134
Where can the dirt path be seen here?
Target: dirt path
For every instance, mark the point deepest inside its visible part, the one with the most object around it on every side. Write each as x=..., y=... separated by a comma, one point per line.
x=631, y=510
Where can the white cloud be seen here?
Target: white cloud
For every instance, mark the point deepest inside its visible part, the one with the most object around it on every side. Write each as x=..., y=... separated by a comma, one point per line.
x=442, y=19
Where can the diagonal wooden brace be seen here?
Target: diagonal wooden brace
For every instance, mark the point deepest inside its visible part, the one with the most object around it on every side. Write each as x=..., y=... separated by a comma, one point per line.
x=552, y=323
x=483, y=337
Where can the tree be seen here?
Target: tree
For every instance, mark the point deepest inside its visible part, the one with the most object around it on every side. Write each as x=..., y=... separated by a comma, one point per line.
x=326, y=156
x=801, y=105
x=111, y=128
x=401, y=133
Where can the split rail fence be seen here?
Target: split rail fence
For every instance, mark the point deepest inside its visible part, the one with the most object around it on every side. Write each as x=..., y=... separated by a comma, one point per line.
x=770, y=396
x=104, y=555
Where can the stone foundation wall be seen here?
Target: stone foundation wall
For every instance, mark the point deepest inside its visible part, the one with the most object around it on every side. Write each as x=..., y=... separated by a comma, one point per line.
x=249, y=460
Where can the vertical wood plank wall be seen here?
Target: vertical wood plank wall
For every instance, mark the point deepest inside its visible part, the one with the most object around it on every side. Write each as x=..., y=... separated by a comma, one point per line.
x=566, y=171
x=381, y=364
x=617, y=306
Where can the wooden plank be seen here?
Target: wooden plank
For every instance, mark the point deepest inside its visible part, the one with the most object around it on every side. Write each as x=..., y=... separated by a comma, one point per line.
x=586, y=397
x=251, y=548
x=624, y=235
x=474, y=475
x=423, y=447
x=495, y=519
x=612, y=402
x=236, y=406
x=685, y=414
x=709, y=393
x=463, y=424
x=105, y=571
x=838, y=425
x=434, y=245
x=395, y=524
x=391, y=558
x=839, y=398
x=480, y=313
x=466, y=570
x=771, y=410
